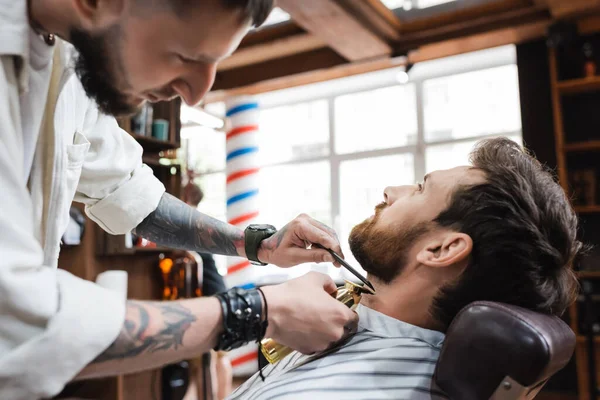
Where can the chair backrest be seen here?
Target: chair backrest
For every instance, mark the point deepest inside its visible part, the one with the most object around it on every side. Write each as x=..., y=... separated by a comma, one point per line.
x=499, y=351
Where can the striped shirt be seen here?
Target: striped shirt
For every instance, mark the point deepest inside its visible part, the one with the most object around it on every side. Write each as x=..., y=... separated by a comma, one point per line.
x=386, y=359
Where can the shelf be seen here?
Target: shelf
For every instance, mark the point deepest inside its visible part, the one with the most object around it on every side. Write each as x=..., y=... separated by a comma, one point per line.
x=583, y=85
x=152, y=249
x=591, y=145
x=154, y=145
x=583, y=339
x=589, y=274
x=587, y=209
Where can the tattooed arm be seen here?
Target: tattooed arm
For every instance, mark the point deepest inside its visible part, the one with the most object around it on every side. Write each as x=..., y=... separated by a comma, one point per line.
x=159, y=333
x=177, y=225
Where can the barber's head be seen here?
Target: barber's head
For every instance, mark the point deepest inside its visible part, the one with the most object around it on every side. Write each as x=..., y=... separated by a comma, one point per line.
x=131, y=51
x=502, y=230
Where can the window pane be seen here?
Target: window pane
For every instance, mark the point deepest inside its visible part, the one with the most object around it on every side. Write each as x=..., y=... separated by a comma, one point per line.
x=361, y=189
x=203, y=149
x=295, y=132
x=452, y=155
x=377, y=119
x=289, y=190
x=471, y=104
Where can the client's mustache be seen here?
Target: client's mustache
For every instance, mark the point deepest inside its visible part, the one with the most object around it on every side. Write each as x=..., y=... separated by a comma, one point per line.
x=380, y=207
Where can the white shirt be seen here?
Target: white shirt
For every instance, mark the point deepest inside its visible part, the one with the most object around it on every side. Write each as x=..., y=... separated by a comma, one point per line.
x=386, y=359
x=55, y=147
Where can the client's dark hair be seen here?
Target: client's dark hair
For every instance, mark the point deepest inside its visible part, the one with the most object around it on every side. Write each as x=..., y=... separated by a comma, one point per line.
x=524, y=233
x=256, y=10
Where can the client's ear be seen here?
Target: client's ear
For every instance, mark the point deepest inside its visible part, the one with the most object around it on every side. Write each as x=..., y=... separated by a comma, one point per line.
x=445, y=249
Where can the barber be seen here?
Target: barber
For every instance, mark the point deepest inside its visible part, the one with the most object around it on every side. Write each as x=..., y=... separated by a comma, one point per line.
x=58, y=143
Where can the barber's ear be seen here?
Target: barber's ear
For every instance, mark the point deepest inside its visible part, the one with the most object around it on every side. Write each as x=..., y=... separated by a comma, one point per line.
x=447, y=249
x=98, y=14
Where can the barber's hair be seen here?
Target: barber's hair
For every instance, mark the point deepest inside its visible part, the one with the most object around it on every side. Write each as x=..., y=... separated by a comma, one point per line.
x=524, y=234
x=256, y=10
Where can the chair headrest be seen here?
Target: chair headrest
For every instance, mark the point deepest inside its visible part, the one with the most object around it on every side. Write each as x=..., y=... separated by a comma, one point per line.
x=487, y=342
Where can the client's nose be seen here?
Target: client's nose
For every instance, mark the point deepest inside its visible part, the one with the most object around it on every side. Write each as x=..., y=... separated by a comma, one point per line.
x=390, y=194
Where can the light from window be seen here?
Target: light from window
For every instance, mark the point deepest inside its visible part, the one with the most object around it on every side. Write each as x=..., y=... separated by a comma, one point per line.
x=376, y=119
x=277, y=16
x=203, y=149
x=361, y=188
x=410, y=4
x=289, y=190
x=472, y=104
x=446, y=156
x=294, y=132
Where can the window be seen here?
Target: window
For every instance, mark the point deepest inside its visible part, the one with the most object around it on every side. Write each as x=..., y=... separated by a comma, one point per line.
x=445, y=156
x=369, y=120
x=330, y=149
x=472, y=104
x=294, y=132
x=292, y=189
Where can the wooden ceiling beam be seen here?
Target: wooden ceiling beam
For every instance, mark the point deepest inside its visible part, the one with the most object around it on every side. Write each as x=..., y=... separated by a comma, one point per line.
x=279, y=48
x=464, y=15
x=474, y=26
x=499, y=37
x=376, y=16
x=337, y=27
x=570, y=8
x=290, y=65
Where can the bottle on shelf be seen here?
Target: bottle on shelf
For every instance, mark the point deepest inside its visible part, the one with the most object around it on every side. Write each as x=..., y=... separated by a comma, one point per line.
x=589, y=65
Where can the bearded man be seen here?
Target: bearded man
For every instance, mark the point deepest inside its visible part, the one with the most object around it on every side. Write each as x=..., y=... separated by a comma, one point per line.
x=500, y=230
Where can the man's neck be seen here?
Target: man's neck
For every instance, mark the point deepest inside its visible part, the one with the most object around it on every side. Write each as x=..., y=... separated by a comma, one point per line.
x=407, y=299
x=51, y=16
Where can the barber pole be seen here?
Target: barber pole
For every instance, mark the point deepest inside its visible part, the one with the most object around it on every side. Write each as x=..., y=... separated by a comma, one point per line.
x=242, y=204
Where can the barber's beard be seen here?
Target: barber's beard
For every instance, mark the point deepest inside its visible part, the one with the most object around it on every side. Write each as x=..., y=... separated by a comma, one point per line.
x=383, y=253
x=98, y=66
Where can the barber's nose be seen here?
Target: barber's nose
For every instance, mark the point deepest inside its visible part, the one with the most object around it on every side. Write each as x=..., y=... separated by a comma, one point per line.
x=196, y=84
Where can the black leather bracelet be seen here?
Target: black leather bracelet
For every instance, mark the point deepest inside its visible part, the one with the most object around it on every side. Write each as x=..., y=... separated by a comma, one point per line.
x=242, y=318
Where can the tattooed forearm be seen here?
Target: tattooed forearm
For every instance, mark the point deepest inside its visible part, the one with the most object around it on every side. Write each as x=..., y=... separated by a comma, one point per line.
x=149, y=328
x=175, y=224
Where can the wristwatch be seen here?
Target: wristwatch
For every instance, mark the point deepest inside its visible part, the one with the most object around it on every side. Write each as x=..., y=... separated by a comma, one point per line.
x=253, y=236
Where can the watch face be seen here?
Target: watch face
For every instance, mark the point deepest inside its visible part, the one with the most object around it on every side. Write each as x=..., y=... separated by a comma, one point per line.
x=262, y=227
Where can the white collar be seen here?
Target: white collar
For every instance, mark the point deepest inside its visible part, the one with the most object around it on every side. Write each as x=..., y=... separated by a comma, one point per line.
x=14, y=26
x=384, y=325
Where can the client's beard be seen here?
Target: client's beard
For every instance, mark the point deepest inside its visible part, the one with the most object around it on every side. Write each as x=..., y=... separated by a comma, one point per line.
x=383, y=254
x=94, y=69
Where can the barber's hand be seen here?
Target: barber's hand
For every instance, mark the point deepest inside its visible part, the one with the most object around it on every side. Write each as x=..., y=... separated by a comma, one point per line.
x=304, y=316
x=288, y=247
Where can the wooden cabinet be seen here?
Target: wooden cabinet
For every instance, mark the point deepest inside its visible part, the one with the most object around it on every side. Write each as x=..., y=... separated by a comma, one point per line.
x=577, y=140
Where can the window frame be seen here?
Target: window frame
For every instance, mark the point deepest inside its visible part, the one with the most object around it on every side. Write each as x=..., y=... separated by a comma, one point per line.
x=418, y=149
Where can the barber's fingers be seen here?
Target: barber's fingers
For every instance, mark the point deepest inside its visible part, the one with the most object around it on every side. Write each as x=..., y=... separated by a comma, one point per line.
x=335, y=243
x=328, y=284
x=299, y=255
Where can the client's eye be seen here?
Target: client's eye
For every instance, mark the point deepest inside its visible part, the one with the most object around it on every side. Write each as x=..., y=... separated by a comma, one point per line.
x=420, y=186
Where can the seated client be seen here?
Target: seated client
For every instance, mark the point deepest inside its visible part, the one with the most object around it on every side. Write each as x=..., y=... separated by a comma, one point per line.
x=500, y=230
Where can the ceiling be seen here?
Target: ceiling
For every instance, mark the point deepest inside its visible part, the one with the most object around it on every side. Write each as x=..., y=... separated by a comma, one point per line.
x=314, y=40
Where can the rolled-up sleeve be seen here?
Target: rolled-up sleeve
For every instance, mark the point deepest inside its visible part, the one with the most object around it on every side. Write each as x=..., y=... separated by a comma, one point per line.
x=118, y=189
x=52, y=324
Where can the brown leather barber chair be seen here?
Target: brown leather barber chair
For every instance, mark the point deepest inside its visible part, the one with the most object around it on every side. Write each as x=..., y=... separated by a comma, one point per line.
x=501, y=352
